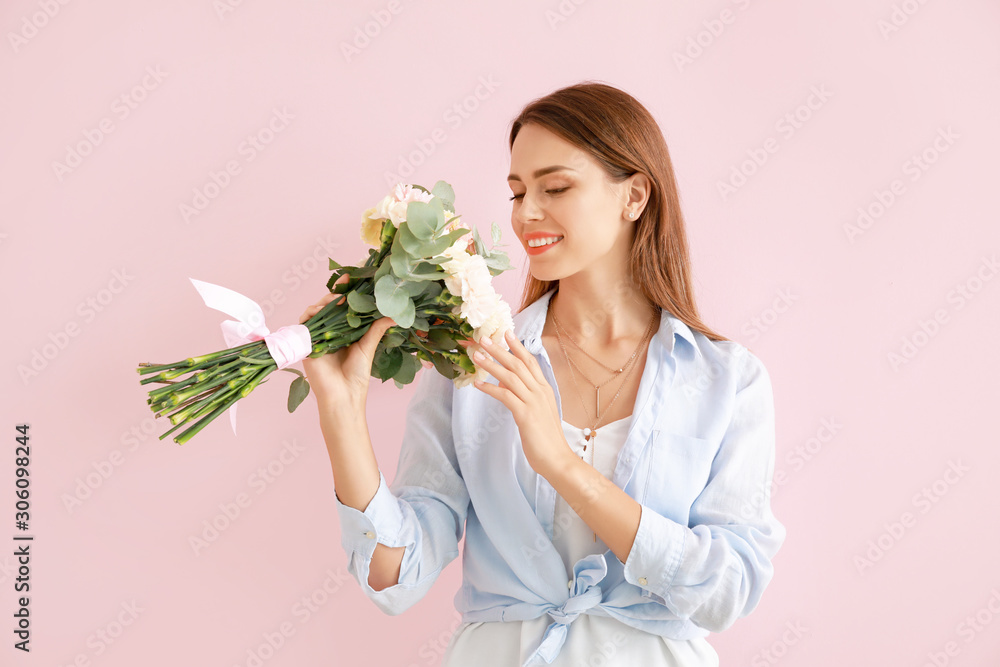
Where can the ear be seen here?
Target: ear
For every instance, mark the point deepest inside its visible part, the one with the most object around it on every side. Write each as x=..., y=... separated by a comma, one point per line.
x=637, y=190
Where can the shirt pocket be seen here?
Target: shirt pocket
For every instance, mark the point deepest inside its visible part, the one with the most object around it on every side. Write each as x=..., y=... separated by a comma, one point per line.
x=677, y=470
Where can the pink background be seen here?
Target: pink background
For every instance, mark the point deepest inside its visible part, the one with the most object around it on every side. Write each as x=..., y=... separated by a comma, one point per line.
x=859, y=436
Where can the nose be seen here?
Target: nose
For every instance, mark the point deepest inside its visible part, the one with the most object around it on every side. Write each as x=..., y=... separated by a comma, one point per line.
x=527, y=209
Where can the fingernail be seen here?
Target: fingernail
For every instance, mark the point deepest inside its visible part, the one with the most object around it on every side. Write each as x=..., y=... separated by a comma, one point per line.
x=485, y=340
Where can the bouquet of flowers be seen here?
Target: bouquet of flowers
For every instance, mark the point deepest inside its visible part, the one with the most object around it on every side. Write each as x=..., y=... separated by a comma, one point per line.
x=421, y=272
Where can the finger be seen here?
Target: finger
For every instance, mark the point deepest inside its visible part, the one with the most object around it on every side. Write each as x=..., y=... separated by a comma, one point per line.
x=519, y=351
x=509, y=378
x=369, y=341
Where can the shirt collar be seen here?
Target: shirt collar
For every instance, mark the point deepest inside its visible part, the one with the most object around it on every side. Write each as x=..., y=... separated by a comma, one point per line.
x=528, y=325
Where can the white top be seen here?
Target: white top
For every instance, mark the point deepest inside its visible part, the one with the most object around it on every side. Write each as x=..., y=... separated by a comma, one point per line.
x=507, y=644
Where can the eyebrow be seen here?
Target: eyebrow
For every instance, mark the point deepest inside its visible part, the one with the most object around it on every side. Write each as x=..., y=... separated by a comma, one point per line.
x=541, y=172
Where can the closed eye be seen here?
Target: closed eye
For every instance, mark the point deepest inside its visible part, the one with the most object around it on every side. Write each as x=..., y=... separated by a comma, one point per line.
x=551, y=192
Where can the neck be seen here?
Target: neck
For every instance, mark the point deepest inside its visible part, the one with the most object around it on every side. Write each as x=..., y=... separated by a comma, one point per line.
x=599, y=318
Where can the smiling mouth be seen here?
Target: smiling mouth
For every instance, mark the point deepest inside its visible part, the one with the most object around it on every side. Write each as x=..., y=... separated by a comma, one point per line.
x=538, y=243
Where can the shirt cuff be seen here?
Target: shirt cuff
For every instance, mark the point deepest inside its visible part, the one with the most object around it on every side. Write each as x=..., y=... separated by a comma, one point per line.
x=380, y=522
x=656, y=552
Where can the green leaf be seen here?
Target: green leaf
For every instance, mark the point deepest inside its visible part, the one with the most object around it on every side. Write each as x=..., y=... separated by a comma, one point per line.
x=424, y=218
x=495, y=230
x=445, y=192
x=480, y=248
x=334, y=265
x=297, y=393
x=405, y=319
x=410, y=243
x=444, y=367
x=391, y=298
x=362, y=303
x=497, y=263
x=401, y=264
x=415, y=288
x=439, y=339
x=393, y=339
x=353, y=320
x=386, y=365
x=407, y=369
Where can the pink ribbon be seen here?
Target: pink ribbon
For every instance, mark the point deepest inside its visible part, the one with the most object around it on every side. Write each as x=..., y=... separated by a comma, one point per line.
x=287, y=345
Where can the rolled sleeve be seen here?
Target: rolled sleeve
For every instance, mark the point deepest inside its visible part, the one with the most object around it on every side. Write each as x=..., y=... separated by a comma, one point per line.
x=656, y=552
x=425, y=508
x=715, y=570
x=380, y=522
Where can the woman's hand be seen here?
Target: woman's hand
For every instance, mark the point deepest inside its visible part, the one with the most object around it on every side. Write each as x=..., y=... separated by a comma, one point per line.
x=529, y=396
x=343, y=375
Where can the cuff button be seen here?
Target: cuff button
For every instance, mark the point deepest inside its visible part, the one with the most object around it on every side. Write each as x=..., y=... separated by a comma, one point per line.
x=642, y=581
x=370, y=535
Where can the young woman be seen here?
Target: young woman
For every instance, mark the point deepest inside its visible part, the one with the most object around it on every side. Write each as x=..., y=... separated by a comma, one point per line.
x=613, y=484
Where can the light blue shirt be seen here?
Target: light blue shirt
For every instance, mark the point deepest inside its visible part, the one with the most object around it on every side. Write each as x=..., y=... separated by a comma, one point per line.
x=698, y=458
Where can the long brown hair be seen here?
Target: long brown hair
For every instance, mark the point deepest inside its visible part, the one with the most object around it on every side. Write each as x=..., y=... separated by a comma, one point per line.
x=624, y=138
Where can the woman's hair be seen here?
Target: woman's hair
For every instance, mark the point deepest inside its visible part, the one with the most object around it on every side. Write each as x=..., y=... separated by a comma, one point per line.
x=624, y=138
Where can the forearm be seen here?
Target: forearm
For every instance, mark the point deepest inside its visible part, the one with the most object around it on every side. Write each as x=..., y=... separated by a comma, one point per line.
x=356, y=477
x=609, y=511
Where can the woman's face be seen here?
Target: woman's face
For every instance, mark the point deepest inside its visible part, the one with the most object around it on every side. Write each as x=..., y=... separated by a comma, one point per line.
x=560, y=190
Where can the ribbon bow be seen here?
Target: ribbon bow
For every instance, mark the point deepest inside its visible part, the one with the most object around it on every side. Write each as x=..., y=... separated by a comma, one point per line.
x=287, y=345
x=585, y=594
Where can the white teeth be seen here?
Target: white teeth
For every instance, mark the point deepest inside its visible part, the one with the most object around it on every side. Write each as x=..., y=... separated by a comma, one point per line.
x=534, y=243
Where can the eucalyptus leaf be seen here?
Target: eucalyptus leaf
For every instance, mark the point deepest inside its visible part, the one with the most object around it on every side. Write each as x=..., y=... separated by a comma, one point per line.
x=401, y=264
x=422, y=218
x=497, y=263
x=297, y=393
x=391, y=298
x=362, y=303
x=444, y=367
x=480, y=248
x=495, y=231
x=393, y=339
x=407, y=369
x=388, y=363
x=353, y=320
x=406, y=318
x=411, y=244
x=439, y=339
x=445, y=192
